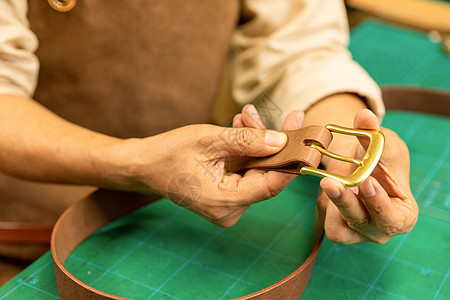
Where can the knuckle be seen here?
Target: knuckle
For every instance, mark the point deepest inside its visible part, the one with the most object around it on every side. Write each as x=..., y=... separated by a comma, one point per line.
x=391, y=229
x=216, y=214
x=392, y=226
x=226, y=223
x=338, y=236
x=357, y=223
x=408, y=228
x=377, y=209
x=272, y=189
x=229, y=187
x=244, y=138
x=381, y=240
x=274, y=192
x=322, y=201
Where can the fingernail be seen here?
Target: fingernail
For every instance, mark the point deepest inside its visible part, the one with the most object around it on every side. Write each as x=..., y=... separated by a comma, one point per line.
x=367, y=188
x=275, y=139
x=333, y=192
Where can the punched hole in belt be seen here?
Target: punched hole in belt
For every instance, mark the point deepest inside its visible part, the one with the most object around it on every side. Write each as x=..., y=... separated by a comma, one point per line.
x=309, y=143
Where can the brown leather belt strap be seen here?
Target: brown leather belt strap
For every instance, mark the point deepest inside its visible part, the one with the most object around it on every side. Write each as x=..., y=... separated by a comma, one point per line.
x=296, y=154
x=430, y=101
x=25, y=233
x=91, y=213
x=78, y=222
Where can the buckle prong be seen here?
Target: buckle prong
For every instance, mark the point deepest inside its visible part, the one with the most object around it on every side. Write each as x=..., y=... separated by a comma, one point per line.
x=337, y=156
x=365, y=166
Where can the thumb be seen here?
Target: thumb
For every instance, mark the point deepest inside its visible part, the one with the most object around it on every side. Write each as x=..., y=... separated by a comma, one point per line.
x=252, y=142
x=366, y=119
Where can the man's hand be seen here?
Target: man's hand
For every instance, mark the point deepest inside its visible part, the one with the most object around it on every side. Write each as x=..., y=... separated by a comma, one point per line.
x=382, y=206
x=187, y=165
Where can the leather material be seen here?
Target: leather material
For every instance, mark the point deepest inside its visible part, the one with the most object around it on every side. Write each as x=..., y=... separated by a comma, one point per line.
x=132, y=68
x=91, y=213
x=295, y=154
x=26, y=233
x=423, y=100
x=77, y=223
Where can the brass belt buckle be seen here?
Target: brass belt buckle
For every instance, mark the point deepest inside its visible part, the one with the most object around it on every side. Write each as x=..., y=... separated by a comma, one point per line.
x=365, y=166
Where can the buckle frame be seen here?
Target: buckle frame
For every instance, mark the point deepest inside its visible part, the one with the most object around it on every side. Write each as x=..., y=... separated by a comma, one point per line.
x=365, y=166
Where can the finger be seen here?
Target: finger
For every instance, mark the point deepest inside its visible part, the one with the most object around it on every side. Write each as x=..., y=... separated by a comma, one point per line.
x=250, y=142
x=277, y=181
x=255, y=186
x=231, y=218
x=349, y=205
x=251, y=118
x=237, y=121
x=337, y=229
x=388, y=181
x=230, y=181
x=386, y=217
x=293, y=120
x=366, y=119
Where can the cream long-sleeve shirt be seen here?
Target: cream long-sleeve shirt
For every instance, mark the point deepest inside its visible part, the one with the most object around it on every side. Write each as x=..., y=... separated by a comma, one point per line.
x=295, y=50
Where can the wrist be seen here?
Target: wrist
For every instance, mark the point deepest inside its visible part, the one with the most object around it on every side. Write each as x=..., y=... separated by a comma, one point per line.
x=116, y=166
x=337, y=109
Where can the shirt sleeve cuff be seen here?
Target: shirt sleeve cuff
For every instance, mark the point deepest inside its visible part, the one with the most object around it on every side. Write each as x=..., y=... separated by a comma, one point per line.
x=302, y=86
x=12, y=89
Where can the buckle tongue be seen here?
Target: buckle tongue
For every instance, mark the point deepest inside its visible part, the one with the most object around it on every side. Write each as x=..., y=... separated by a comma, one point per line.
x=365, y=166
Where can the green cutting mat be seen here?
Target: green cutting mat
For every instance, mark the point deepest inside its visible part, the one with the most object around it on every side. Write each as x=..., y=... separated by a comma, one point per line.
x=164, y=252
x=400, y=57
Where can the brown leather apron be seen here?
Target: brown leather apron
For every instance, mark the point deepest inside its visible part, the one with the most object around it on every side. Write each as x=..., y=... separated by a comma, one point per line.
x=125, y=68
